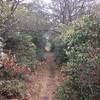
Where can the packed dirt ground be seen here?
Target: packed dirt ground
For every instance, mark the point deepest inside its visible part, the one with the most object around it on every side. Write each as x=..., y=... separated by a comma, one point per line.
x=45, y=80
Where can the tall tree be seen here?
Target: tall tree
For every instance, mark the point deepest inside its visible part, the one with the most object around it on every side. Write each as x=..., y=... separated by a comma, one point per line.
x=7, y=9
x=65, y=11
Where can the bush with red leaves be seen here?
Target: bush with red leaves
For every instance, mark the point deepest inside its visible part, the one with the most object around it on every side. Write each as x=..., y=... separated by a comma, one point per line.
x=11, y=68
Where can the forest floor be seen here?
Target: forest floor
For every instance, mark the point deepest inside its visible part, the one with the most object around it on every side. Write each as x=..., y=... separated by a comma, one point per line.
x=45, y=80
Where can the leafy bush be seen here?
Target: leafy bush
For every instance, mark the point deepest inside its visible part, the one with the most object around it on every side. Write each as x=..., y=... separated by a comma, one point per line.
x=40, y=41
x=11, y=69
x=10, y=72
x=40, y=54
x=82, y=50
x=12, y=88
x=22, y=46
x=58, y=42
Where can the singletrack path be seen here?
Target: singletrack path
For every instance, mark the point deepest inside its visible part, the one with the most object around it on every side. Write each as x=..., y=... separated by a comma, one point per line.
x=45, y=80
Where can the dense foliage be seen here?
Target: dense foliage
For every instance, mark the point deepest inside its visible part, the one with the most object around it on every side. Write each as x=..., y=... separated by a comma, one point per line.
x=22, y=46
x=81, y=61
x=28, y=28
x=12, y=88
x=12, y=76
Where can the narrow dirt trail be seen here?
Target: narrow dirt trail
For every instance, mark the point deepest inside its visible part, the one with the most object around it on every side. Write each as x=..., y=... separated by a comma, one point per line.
x=45, y=81
x=48, y=82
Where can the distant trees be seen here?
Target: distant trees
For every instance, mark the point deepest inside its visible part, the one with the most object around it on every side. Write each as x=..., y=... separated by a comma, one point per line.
x=40, y=7
x=7, y=9
x=96, y=9
x=65, y=11
x=30, y=20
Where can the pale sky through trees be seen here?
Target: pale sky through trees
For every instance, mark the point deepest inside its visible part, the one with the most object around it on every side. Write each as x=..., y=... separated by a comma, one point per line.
x=47, y=1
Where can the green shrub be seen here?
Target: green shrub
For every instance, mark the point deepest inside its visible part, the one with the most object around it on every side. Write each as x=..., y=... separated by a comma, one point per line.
x=12, y=88
x=61, y=93
x=22, y=46
x=82, y=50
x=40, y=54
